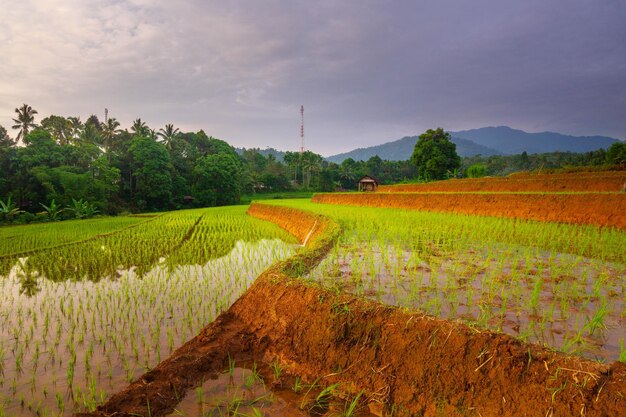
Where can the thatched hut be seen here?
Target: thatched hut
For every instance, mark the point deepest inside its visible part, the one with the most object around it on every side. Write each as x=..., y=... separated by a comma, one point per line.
x=368, y=183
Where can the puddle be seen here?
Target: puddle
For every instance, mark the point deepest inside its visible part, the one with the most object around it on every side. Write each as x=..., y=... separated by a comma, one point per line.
x=252, y=391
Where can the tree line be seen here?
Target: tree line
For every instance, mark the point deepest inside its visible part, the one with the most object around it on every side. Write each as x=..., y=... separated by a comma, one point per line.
x=63, y=167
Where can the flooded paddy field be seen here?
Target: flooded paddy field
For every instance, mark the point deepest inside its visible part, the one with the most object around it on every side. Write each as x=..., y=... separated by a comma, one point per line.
x=67, y=344
x=558, y=285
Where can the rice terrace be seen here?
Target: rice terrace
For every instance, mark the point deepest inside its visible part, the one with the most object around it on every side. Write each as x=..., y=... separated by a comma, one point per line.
x=321, y=307
x=313, y=208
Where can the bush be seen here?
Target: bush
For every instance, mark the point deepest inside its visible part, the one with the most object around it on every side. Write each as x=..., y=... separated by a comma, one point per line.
x=476, y=171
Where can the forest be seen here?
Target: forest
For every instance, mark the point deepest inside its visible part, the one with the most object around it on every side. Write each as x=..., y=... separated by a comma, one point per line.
x=62, y=167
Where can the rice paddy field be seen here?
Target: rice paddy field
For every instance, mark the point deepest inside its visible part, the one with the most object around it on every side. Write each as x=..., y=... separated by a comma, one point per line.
x=88, y=306
x=559, y=285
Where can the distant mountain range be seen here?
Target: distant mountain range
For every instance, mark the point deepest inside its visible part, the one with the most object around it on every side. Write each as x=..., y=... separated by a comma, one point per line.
x=486, y=141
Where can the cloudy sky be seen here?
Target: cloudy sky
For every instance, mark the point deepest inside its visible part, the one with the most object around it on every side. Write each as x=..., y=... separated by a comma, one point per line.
x=366, y=71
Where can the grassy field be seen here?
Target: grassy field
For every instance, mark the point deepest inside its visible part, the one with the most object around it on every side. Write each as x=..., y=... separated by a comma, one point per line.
x=116, y=300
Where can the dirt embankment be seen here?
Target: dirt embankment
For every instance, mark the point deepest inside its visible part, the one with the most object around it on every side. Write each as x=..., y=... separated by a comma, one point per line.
x=403, y=362
x=596, y=209
x=605, y=181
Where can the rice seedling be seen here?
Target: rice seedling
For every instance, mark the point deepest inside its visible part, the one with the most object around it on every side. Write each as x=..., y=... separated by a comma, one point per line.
x=556, y=284
x=109, y=308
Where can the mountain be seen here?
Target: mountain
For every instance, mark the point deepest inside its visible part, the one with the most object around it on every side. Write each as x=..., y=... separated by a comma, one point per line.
x=513, y=141
x=486, y=141
x=402, y=149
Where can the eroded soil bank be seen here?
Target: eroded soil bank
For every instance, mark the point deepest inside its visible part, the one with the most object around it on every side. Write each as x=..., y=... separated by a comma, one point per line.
x=404, y=364
x=589, y=208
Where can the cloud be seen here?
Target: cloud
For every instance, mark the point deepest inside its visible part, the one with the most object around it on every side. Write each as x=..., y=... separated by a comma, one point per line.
x=367, y=71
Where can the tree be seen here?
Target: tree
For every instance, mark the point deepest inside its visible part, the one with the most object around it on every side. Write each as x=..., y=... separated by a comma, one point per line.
x=217, y=180
x=434, y=154
x=25, y=120
x=59, y=127
x=140, y=128
x=110, y=130
x=5, y=140
x=152, y=173
x=76, y=128
x=616, y=154
x=168, y=135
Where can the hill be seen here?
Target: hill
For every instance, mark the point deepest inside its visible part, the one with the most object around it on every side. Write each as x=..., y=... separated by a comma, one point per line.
x=514, y=141
x=486, y=141
x=402, y=149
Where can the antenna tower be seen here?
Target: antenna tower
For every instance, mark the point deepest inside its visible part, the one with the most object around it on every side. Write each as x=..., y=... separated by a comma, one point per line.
x=302, y=130
x=106, y=116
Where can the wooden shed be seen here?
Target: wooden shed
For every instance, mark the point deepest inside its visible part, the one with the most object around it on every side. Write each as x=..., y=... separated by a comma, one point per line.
x=368, y=183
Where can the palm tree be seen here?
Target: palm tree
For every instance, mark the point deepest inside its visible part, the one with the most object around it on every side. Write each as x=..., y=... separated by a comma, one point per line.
x=90, y=134
x=25, y=120
x=110, y=130
x=76, y=128
x=169, y=135
x=140, y=128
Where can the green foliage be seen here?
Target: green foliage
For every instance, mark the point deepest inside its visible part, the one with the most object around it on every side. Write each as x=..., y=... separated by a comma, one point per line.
x=476, y=171
x=500, y=165
x=8, y=210
x=82, y=209
x=616, y=154
x=53, y=211
x=151, y=173
x=59, y=127
x=217, y=180
x=434, y=154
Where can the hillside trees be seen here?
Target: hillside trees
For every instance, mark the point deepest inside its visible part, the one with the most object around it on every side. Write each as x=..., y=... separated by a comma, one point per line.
x=217, y=179
x=151, y=174
x=435, y=155
x=616, y=154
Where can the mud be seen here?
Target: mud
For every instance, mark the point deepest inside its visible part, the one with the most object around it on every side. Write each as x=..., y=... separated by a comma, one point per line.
x=600, y=209
x=603, y=181
x=403, y=363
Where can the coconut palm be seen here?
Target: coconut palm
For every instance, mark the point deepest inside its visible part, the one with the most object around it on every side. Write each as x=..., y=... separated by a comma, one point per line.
x=140, y=128
x=76, y=128
x=110, y=130
x=169, y=135
x=25, y=120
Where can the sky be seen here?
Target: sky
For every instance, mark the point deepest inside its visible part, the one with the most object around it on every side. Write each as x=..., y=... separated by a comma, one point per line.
x=366, y=71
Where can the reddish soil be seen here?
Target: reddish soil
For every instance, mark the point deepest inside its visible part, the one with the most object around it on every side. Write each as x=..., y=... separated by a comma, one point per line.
x=588, y=208
x=411, y=364
x=603, y=181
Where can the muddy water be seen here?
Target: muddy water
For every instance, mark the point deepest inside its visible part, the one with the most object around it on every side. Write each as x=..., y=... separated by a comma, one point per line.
x=252, y=391
x=570, y=303
x=71, y=344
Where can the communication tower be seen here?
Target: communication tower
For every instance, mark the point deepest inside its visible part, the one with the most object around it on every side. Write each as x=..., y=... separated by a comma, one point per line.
x=302, y=130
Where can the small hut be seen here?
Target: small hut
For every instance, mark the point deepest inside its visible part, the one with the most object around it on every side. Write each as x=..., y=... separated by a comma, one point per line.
x=368, y=183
